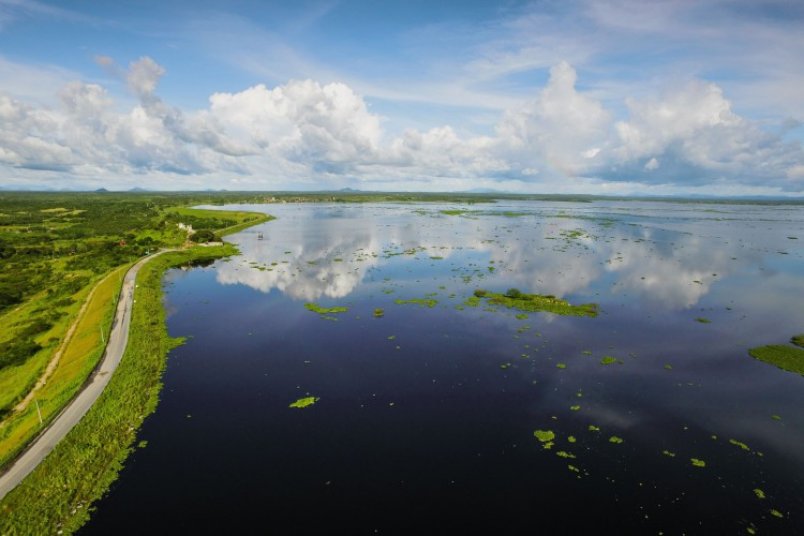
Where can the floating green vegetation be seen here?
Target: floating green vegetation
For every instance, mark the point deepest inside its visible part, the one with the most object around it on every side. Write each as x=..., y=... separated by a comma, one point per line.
x=421, y=302
x=668, y=367
x=776, y=513
x=544, y=436
x=436, y=258
x=515, y=299
x=573, y=468
x=505, y=366
x=561, y=366
x=608, y=360
x=798, y=340
x=703, y=320
x=759, y=493
x=304, y=402
x=454, y=212
x=698, y=463
x=739, y=444
x=379, y=312
x=565, y=454
x=472, y=301
x=521, y=316
x=669, y=454
x=787, y=358
x=776, y=417
x=314, y=307
x=593, y=428
x=575, y=408
x=571, y=439
x=616, y=440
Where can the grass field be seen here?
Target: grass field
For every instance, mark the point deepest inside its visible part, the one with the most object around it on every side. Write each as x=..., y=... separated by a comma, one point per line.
x=79, y=357
x=57, y=496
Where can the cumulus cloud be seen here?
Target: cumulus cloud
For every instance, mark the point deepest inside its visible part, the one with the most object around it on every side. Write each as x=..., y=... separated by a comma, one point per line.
x=307, y=130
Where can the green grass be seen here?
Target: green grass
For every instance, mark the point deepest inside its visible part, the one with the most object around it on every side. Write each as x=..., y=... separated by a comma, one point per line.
x=533, y=303
x=421, y=302
x=798, y=340
x=83, y=465
x=79, y=358
x=785, y=357
x=314, y=307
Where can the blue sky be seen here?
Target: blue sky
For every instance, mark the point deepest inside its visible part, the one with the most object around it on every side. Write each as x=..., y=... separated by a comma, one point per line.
x=606, y=96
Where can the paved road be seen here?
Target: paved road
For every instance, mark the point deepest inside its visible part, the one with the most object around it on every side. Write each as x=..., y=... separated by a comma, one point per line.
x=76, y=409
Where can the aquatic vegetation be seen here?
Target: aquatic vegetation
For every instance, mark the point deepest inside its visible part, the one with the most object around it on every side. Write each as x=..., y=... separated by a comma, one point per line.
x=505, y=365
x=544, y=435
x=798, y=340
x=575, y=408
x=515, y=299
x=379, y=313
x=454, y=212
x=573, y=468
x=565, y=454
x=669, y=454
x=608, y=360
x=776, y=513
x=697, y=463
x=325, y=310
x=561, y=366
x=787, y=358
x=571, y=439
x=616, y=440
x=668, y=367
x=593, y=428
x=304, y=402
x=421, y=302
x=739, y=444
x=703, y=320
x=759, y=493
x=521, y=316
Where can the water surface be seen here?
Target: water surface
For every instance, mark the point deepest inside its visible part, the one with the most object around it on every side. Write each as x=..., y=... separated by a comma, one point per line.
x=426, y=416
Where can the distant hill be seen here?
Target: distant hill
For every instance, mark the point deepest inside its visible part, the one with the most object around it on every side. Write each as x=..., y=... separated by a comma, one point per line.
x=102, y=190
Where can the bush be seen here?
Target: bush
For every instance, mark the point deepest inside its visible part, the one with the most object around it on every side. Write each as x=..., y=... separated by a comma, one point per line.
x=205, y=235
x=513, y=293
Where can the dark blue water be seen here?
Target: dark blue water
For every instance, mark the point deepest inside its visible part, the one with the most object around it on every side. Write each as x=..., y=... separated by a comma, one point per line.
x=426, y=416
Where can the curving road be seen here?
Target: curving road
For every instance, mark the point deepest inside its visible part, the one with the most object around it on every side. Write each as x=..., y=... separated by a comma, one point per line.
x=75, y=410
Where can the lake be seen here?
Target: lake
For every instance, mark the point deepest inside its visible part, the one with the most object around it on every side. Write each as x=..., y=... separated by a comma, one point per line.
x=652, y=416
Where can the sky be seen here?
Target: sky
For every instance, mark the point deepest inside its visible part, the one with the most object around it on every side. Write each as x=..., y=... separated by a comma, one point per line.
x=622, y=97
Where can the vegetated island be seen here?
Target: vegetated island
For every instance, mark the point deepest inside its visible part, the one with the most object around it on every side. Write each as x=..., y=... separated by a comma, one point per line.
x=784, y=356
x=515, y=299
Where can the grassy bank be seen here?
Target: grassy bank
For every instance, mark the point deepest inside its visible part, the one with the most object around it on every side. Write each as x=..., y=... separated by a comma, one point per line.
x=57, y=496
x=79, y=356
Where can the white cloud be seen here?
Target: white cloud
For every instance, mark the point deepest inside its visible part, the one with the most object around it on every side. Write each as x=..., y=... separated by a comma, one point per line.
x=326, y=135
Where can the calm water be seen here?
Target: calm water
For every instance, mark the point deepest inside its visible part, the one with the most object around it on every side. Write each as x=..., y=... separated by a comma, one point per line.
x=426, y=416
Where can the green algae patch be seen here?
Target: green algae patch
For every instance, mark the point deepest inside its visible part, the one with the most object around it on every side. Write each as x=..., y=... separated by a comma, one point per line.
x=304, y=402
x=739, y=444
x=669, y=453
x=454, y=212
x=776, y=513
x=571, y=439
x=545, y=436
x=697, y=463
x=787, y=358
x=314, y=307
x=703, y=320
x=537, y=303
x=565, y=454
x=421, y=302
x=378, y=313
x=593, y=428
x=573, y=468
x=759, y=493
x=561, y=366
x=609, y=360
x=575, y=408
x=616, y=440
